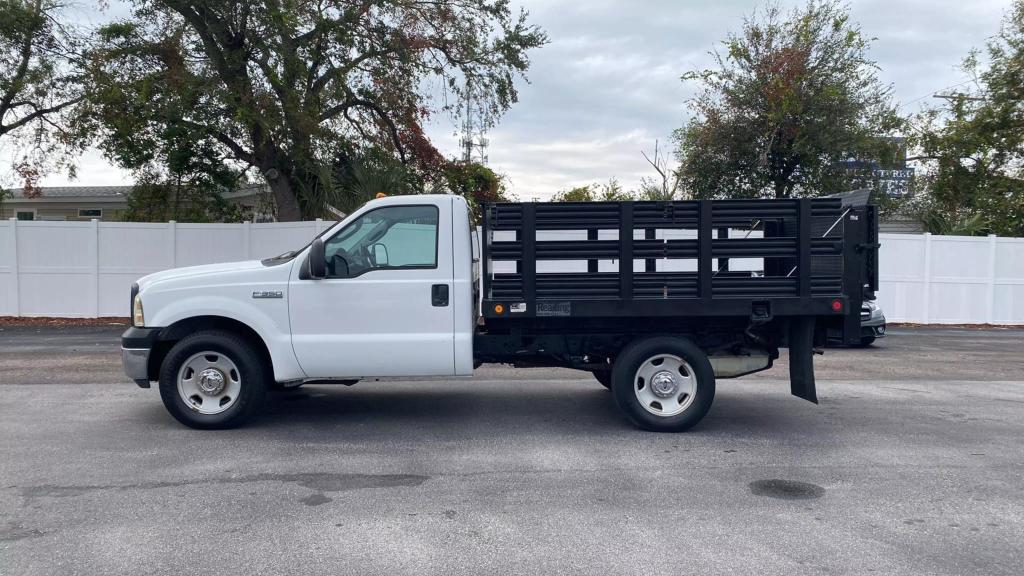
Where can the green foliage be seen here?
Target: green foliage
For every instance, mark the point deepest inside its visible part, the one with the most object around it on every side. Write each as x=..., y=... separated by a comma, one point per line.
x=477, y=183
x=179, y=176
x=954, y=223
x=156, y=199
x=577, y=194
x=360, y=176
x=973, y=147
x=610, y=192
x=40, y=80
x=791, y=96
x=281, y=87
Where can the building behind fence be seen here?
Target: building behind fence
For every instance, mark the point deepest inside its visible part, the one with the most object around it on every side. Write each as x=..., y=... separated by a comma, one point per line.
x=84, y=269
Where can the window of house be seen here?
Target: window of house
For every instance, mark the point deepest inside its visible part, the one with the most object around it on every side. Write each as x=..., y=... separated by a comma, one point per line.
x=90, y=213
x=25, y=214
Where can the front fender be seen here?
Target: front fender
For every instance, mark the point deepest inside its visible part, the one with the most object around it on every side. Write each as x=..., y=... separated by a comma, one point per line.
x=269, y=320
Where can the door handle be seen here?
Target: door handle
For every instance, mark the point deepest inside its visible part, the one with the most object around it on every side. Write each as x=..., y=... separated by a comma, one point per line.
x=439, y=295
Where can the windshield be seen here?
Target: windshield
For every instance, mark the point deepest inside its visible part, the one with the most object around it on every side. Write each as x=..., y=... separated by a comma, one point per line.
x=287, y=256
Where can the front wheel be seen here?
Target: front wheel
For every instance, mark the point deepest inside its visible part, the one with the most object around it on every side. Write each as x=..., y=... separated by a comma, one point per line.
x=663, y=384
x=213, y=379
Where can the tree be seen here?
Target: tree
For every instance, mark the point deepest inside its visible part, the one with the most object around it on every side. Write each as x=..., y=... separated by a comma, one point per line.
x=972, y=148
x=283, y=85
x=610, y=192
x=477, y=183
x=40, y=78
x=182, y=178
x=362, y=174
x=790, y=98
x=157, y=199
x=669, y=183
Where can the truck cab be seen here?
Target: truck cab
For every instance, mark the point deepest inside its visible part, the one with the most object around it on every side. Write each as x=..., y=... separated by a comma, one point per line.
x=395, y=297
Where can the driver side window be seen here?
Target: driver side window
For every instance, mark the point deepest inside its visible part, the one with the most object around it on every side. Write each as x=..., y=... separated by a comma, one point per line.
x=385, y=238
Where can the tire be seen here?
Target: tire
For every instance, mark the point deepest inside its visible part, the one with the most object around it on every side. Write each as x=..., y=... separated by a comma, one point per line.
x=189, y=389
x=683, y=373
x=604, y=377
x=866, y=341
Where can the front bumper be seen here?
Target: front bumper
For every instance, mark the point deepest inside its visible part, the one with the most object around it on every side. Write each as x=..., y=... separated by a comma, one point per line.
x=136, y=344
x=873, y=327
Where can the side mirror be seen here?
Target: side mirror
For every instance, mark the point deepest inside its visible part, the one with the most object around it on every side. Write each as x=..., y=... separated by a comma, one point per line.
x=380, y=254
x=317, y=260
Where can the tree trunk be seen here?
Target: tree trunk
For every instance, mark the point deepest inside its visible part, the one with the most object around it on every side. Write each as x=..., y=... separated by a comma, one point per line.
x=780, y=189
x=284, y=197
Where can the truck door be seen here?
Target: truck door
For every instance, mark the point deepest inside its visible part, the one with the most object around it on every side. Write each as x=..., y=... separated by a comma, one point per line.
x=385, y=307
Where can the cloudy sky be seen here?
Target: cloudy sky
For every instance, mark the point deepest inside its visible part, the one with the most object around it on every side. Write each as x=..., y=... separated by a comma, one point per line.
x=607, y=86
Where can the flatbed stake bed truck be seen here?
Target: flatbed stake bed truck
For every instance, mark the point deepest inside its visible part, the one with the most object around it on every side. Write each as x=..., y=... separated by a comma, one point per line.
x=656, y=299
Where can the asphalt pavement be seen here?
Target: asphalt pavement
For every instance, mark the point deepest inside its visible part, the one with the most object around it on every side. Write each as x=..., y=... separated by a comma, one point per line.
x=913, y=463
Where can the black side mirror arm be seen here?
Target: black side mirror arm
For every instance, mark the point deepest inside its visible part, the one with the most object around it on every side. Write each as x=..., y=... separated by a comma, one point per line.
x=316, y=261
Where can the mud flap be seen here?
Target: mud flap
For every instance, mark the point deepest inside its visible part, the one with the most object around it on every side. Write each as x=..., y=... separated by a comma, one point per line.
x=801, y=358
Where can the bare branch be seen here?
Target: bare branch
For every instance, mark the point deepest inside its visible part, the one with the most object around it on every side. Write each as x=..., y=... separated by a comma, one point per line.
x=36, y=114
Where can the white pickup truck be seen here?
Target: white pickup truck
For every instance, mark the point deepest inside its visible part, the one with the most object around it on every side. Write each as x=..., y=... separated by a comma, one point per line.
x=392, y=292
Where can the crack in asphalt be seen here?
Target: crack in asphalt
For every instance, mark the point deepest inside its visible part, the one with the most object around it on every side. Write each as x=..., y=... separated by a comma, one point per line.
x=318, y=481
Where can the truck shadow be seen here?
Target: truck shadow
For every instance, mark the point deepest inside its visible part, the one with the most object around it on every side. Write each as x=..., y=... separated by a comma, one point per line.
x=578, y=408
x=376, y=406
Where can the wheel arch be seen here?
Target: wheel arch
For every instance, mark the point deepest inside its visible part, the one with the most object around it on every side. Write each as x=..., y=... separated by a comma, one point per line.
x=170, y=335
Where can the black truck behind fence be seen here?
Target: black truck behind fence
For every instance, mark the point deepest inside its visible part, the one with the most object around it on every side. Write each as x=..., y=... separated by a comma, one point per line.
x=667, y=268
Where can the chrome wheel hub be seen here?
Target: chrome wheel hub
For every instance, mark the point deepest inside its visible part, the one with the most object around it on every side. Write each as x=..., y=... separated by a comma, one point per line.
x=663, y=384
x=211, y=381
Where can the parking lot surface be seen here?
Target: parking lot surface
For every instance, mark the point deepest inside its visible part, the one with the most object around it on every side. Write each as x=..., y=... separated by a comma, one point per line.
x=913, y=463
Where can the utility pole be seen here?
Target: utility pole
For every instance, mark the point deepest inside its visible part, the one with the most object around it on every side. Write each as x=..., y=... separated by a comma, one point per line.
x=471, y=139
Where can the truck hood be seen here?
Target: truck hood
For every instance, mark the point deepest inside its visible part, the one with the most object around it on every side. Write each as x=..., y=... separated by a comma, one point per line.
x=224, y=268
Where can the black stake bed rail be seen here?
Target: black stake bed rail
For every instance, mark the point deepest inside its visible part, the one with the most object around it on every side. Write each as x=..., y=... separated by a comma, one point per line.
x=637, y=259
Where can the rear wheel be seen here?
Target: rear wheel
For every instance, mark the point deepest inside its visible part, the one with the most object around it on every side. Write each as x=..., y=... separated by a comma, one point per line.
x=213, y=379
x=663, y=384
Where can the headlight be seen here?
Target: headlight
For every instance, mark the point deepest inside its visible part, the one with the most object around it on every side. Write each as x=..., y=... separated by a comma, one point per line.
x=138, y=319
x=870, y=305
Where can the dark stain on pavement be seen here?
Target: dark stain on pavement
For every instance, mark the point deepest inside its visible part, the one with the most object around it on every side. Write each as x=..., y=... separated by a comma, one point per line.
x=13, y=531
x=315, y=499
x=786, y=489
x=318, y=481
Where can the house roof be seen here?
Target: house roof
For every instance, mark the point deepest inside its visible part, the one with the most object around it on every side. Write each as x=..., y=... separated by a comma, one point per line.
x=73, y=192
x=853, y=197
x=108, y=193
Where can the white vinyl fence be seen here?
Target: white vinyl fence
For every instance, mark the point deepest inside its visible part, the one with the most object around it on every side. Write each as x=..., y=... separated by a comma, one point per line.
x=951, y=279
x=85, y=269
